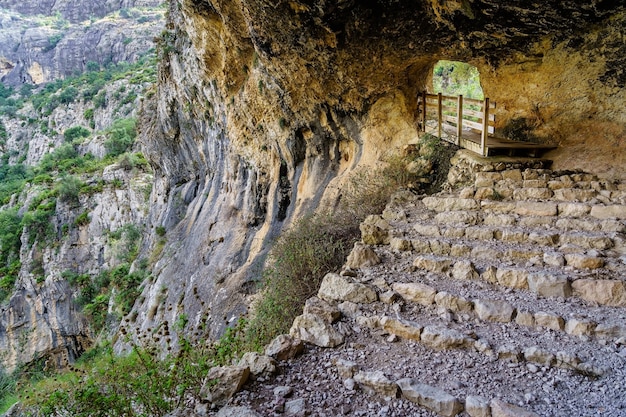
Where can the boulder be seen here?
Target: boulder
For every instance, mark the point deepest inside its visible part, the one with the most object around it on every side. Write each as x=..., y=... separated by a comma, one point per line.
x=464, y=270
x=579, y=327
x=346, y=369
x=512, y=174
x=583, y=261
x=525, y=318
x=494, y=310
x=432, y=263
x=315, y=330
x=512, y=277
x=399, y=244
x=430, y=397
x=479, y=233
x=453, y=303
x=547, y=285
x=540, y=356
x=587, y=241
x=323, y=309
x=284, y=347
x=223, y=382
x=430, y=230
x=601, y=291
x=405, y=329
x=416, y=292
x=574, y=194
x=616, y=211
x=441, y=338
x=530, y=208
x=510, y=353
x=443, y=204
x=532, y=193
x=258, y=364
x=375, y=230
x=337, y=288
x=376, y=383
x=477, y=406
x=610, y=330
x=573, y=209
x=549, y=320
x=362, y=256
x=501, y=409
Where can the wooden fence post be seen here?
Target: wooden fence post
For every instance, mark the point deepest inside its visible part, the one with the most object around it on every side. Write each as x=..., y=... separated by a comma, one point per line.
x=459, y=120
x=424, y=110
x=485, y=132
x=439, y=114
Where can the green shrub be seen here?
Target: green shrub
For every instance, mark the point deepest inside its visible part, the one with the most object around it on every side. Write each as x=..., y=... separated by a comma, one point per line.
x=121, y=136
x=8, y=385
x=92, y=66
x=68, y=189
x=100, y=100
x=160, y=231
x=96, y=311
x=141, y=383
x=68, y=95
x=10, y=233
x=53, y=41
x=4, y=135
x=82, y=219
x=76, y=132
x=299, y=260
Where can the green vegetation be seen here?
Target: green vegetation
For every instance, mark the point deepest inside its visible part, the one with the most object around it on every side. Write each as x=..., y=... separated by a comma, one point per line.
x=3, y=133
x=301, y=257
x=316, y=245
x=76, y=133
x=68, y=188
x=103, y=384
x=121, y=136
x=457, y=78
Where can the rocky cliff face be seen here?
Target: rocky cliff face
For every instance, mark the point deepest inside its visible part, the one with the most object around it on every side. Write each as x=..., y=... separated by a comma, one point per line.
x=74, y=10
x=80, y=236
x=263, y=110
x=42, y=319
x=44, y=41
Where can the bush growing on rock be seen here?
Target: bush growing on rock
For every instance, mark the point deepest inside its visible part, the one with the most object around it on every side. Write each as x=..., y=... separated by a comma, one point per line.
x=121, y=135
x=76, y=132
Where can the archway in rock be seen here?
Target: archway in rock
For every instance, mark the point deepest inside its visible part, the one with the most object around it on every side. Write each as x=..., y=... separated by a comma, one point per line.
x=453, y=78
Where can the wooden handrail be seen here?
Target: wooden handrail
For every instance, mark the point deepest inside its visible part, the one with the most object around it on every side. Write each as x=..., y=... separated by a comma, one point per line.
x=455, y=113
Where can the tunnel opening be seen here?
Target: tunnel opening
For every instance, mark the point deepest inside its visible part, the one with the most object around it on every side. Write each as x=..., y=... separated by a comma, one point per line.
x=454, y=78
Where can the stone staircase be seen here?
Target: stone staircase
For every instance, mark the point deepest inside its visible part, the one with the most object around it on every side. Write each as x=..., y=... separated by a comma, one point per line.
x=506, y=297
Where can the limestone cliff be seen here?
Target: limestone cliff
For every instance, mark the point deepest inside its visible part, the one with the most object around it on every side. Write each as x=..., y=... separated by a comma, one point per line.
x=71, y=221
x=263, y=108
x=45, y=41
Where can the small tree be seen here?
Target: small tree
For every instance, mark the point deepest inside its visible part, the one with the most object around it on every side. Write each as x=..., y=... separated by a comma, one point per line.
x=76, y=132
x=122, y=136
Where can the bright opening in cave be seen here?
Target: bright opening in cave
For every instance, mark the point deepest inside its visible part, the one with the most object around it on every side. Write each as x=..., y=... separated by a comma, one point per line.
x=453, y=78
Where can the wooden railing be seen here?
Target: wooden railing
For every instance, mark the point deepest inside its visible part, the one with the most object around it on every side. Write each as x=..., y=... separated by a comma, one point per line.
x=466, y=122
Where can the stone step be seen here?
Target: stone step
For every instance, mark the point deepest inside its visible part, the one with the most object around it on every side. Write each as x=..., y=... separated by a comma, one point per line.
x=415, y=390
x=545, y=282
x=496, y=228
x=500, y=310
x=524, y=205
x=546, y=179
x=531, y=254
x=445, y=336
